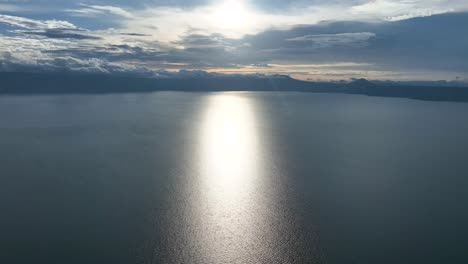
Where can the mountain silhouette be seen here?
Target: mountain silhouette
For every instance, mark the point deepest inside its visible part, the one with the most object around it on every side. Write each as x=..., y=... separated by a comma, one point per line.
x=47, y=83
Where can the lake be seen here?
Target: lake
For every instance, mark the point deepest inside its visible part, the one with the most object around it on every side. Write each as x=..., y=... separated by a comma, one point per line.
x=235, y=177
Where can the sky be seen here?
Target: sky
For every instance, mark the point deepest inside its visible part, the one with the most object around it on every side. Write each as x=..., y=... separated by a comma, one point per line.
x=315, y=40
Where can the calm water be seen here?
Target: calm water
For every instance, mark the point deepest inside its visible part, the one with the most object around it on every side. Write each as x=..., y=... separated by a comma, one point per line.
x=232, y=178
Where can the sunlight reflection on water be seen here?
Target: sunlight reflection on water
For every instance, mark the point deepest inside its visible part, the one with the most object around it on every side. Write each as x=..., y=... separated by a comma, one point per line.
x=229, y=147
x=229, y=178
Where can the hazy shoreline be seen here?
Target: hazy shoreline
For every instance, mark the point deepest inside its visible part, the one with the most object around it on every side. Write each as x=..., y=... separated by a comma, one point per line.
x=40, y=83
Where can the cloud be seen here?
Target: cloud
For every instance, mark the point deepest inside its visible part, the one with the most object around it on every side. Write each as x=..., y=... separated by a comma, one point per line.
x=62, y=33
x=212, y=41
x=399, y=10
x=175, y=18
x=23, y=22
x=429, y=47
x=253, y=17
x=121, y=3
x=341, y=39
x=59, y=29
x=135, y=34
x=39, y=62
x=96, y=10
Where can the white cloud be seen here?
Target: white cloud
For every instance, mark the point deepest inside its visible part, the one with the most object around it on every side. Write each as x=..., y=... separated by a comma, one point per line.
x=95, y=10
x=27, y=23
x=405, y=9
x=172, y=23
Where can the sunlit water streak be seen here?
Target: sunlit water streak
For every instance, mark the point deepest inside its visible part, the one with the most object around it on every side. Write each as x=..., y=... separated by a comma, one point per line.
x=232, y=196
x=229, y=179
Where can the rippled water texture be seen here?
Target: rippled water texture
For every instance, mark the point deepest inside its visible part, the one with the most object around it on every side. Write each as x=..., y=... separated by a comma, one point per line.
x=232, y=178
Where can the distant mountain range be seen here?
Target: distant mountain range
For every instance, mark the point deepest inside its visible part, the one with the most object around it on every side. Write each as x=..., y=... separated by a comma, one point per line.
x=48, y=83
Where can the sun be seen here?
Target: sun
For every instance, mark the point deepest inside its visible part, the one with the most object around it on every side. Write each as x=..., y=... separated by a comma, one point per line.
x=232, y=15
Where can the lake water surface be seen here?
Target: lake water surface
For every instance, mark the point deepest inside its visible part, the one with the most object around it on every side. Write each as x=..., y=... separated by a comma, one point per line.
x=239, y=177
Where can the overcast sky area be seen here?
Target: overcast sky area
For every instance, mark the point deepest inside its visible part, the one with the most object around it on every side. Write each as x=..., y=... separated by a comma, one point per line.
x=317, y=40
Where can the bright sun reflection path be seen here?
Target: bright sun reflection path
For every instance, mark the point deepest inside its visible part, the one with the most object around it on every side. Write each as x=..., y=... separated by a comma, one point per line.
x=229, y=178
x=229, y=144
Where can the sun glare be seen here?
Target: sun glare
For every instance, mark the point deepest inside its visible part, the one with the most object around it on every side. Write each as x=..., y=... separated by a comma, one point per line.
x=232, y=15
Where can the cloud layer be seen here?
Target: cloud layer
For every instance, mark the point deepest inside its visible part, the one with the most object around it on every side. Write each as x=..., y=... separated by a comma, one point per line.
x=307, y=39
